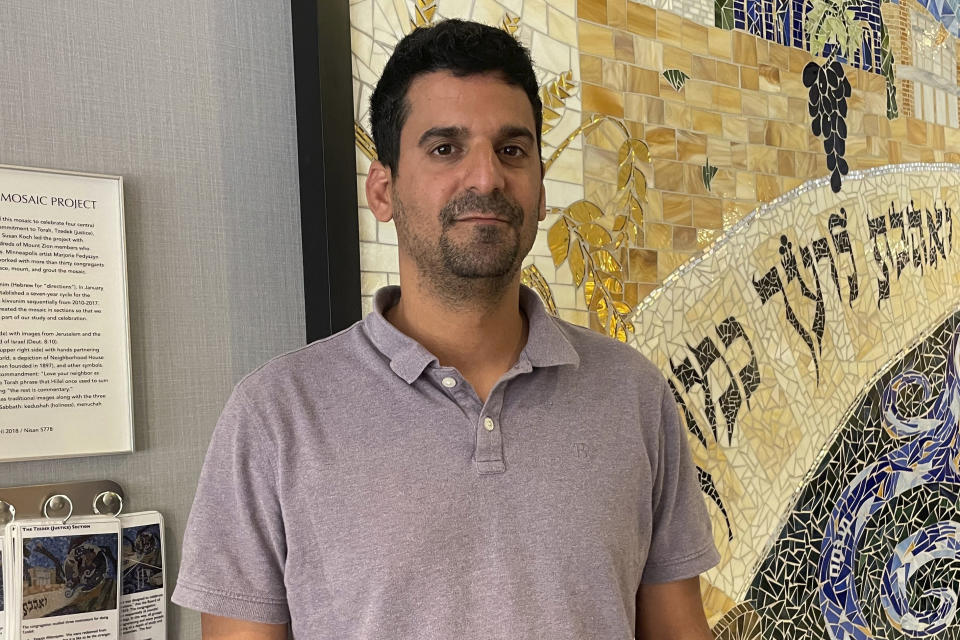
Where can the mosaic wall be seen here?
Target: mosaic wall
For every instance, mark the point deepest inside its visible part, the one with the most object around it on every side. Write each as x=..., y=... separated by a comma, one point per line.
x=774, y=229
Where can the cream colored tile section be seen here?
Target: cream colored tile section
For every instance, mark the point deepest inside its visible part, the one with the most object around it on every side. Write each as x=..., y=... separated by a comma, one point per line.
x=568, y=168
x=378, y=257
x=549, y=54
x=561, y=26
x=368, y=226
x=370, y=282
x=386, y=232
x=535, y=15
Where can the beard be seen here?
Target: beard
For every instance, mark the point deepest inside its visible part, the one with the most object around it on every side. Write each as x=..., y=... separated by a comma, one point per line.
x=469, y=260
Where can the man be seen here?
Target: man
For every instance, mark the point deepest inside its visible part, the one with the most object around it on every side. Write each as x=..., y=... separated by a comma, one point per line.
x=459, y=464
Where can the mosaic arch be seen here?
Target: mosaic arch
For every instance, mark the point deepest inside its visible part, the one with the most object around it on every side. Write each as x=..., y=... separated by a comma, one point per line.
x=774, y=228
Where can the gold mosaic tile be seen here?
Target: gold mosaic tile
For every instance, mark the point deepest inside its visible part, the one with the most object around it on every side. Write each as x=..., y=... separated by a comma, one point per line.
x=685, y=239
x=746, y=186
x=633, y=108
x=778, y=107
x=670, y=29
x=599, y=100
x=677, y=58
x=645, y=81
x=617, y=13
x=724, y=184
x=623, y=46
x=916, y=131
x=677, y=208
x=756, y=106
x=693, y=177
x=709, y=122
x=749, y=78
x=643, y=265
x=738, y=155
x=596, y=40
x=668, y=262
x=703, y=68
x=798, y=59
x=662, y=143
x=668, y=175
x=695, y=38
x=728, y=74
x=786, y=163
x=769, y=77
x=768, y=187
x=648, y=53
x=592, y=10
x=893, y=153
x=797, y=110
x=726, y=99
x=699, y=93
x=591, y=69
x=707, y=213
x=736, y=129
x=720, y=43
x=677, y=115
x=756, y=131
x=778, y=57
x=642, y=19
x=691, y=147
x=659, y=235
x=615, y=75
x=744, y=49
x=718, y=151
x=763, y=51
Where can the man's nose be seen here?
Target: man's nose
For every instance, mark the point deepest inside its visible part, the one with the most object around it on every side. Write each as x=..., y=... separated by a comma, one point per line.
x=483, y=173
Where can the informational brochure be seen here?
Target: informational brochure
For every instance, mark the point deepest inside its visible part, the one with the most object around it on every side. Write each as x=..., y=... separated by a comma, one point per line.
x=65, y=374
x=143, y=599
x=65, y=579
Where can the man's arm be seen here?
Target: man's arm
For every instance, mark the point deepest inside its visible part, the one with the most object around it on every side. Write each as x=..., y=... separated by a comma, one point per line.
x=220, y=628
x=671, y=611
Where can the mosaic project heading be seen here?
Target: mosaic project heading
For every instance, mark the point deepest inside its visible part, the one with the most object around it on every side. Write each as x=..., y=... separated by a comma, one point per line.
x=48, y=201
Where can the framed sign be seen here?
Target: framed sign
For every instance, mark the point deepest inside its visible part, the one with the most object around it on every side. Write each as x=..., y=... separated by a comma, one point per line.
x=65, y=378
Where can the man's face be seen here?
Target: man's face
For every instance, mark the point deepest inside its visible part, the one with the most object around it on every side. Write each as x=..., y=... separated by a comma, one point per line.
x=467, y=192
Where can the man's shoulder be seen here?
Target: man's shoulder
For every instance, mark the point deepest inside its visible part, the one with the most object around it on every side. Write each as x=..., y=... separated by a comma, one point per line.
x=600, y=351
x=326, y=356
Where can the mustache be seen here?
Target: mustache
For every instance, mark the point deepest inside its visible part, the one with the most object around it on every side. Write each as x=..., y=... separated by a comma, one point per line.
x=495, y=203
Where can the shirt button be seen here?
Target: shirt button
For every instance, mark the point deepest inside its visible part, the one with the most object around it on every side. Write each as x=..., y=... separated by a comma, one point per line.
x=448, y=382
x=488, y=424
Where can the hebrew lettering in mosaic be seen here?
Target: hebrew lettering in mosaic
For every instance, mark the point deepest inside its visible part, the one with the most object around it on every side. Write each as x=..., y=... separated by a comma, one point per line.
x=698, y=378
x=916, y=245
x=772, y=284
x=871, y=547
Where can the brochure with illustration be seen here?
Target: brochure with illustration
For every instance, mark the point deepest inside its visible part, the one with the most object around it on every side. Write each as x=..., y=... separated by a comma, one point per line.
x=143, y=599
x=64, y=578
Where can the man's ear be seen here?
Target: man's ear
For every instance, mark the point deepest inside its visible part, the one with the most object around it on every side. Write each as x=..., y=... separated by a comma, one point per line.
x=379, y=191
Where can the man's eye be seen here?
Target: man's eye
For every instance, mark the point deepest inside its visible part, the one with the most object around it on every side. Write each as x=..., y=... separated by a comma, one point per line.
x=443, y=150
x=513, y=151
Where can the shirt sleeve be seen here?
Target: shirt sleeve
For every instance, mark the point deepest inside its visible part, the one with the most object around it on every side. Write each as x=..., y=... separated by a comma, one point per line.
x=681, y=545
x=234, y=546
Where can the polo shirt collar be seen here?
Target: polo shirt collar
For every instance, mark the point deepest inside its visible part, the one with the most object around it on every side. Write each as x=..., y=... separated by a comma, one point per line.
x=547, y=346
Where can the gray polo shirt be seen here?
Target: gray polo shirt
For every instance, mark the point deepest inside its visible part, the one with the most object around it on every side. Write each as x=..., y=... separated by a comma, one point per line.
x=358, y=489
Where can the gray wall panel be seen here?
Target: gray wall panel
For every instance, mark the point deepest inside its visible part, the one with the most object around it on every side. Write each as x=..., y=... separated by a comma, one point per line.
x=192, y=102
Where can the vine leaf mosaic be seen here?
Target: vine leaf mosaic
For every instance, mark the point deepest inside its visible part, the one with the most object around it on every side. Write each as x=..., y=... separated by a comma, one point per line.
x=533, y=278
x=580, y=238
x=553, y=95
x=424, y=12
x=708, y=172
x=510, y=24
x=676, y=78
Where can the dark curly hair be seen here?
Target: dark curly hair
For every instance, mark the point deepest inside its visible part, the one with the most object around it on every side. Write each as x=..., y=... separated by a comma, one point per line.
x=463, y=48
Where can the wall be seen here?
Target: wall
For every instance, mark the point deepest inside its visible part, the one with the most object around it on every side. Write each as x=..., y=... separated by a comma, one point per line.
x=783, y=249
x=193, y=104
